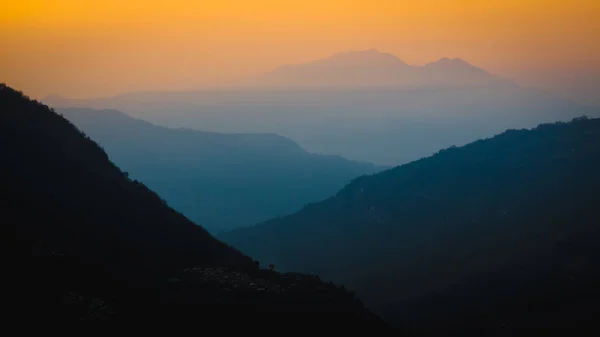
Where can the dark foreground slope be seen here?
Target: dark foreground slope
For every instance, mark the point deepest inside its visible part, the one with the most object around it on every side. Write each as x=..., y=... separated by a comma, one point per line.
x=82, y=241
x=490, y=238
x=222, y=181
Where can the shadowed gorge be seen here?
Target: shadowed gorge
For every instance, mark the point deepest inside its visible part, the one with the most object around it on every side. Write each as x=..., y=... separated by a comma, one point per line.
x=83, y=241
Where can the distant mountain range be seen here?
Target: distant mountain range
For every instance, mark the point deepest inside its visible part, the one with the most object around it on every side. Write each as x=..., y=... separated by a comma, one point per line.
x=82, y=241
x=496, y=236
x=222, y=181
x=365, y=106
x=372, y=68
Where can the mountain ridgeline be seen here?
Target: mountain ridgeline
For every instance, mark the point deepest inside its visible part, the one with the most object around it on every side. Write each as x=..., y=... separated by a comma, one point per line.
x=363, y=105
x=372, y=68
x=485, y=239
x=81, y=240
x=222, y=181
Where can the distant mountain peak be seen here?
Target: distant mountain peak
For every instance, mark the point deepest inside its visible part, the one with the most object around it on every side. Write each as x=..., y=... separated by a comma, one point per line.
x=373, y=68
x=450, y=62
x=447, y=60
x=362, y=57
x=456, y=65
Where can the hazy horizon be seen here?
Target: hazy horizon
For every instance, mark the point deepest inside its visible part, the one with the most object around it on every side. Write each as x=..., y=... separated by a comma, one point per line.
x=92, y=49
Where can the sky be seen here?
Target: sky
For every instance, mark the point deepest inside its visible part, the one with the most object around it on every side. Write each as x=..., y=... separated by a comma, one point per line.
x=96, y=48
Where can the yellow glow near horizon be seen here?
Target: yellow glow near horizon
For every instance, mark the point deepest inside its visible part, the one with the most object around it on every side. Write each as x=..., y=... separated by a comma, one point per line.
x=88, y=48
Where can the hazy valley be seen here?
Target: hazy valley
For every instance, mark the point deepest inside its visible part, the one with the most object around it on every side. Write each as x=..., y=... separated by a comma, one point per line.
x=386, y=120
x=221, y=181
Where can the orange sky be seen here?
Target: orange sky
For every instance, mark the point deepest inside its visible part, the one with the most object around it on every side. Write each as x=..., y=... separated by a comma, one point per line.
x=82, y=48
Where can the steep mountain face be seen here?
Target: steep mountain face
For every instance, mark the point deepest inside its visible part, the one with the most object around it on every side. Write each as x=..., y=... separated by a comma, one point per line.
x=370, y=68
x=498, y=235
x=222, y=181
x=68, y=192
x=82, y=241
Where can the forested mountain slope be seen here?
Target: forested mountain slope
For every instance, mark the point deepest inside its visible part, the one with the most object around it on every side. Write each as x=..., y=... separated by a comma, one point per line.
x=500, y=232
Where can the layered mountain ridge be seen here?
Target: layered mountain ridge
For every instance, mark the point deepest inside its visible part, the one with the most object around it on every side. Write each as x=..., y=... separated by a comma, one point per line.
x=372, y=68
x=222, y=181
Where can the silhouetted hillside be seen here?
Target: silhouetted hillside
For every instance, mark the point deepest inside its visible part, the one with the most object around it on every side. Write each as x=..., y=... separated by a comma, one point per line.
x=221, y=181
x=486, y=239
x=83, y=241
